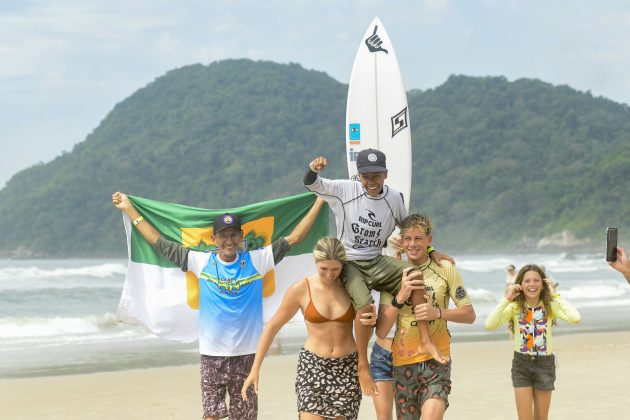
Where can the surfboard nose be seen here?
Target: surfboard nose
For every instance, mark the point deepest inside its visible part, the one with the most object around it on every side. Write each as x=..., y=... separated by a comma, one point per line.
x=377, y=115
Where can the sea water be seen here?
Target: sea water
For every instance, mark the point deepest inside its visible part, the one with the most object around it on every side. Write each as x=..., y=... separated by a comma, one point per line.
x=58, y=316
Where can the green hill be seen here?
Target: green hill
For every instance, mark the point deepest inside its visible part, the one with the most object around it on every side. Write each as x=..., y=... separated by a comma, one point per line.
x=502, y=164
x=497, y=164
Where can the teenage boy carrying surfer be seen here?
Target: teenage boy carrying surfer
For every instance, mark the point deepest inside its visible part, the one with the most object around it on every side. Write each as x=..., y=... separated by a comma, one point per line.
x=366, y=214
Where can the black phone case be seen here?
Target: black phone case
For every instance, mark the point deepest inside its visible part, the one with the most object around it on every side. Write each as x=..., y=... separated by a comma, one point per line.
x=611, y=244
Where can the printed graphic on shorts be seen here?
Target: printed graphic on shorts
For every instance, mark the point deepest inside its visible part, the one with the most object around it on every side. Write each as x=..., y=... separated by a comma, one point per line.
x=225, y=375
x=417, y=383
x=328, y=387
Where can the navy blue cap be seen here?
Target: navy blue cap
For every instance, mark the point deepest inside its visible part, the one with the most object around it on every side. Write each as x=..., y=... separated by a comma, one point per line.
x=371, y=160
x=226, y=220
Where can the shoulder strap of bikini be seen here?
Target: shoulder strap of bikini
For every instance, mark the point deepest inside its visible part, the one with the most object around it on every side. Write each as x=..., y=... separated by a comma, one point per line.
x=308, y=286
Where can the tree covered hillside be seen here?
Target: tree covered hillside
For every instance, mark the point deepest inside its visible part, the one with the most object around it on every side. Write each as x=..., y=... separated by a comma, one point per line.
x=223, y=135
x=501, y=163
x=497, y=164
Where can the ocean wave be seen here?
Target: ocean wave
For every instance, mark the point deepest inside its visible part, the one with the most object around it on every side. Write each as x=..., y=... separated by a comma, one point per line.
x=596, y=291
x=581, y=265
x=12, y=327
x=102, y=275
x=32, y=272
x=484, y=296
x=480, y=265
x=608, y=303
x=558, y=263
x=41, y=331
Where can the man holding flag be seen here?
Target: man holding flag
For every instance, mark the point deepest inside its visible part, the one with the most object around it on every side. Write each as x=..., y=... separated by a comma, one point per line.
x=230, y=301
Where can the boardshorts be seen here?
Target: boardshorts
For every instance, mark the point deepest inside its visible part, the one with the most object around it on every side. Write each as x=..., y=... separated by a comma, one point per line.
x=381, y=273
x=227, y=373
x=416, y=383
x=328, y=387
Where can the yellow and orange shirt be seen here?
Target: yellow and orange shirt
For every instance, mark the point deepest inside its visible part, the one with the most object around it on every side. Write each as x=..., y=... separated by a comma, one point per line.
x=441, y=284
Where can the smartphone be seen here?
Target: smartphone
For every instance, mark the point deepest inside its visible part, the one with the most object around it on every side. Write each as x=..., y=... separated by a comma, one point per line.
x=611, y=244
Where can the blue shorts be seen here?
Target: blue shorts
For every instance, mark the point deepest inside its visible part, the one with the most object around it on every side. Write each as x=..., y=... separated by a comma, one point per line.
x=381, y=364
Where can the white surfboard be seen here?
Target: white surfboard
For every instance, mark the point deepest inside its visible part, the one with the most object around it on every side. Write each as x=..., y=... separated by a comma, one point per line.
x=377, y=115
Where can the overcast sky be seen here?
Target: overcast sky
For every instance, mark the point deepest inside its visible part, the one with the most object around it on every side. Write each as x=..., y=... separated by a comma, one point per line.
x=64, y=64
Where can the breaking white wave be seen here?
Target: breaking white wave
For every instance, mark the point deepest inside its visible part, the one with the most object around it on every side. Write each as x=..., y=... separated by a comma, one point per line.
x=41, y=331
x=32, y=277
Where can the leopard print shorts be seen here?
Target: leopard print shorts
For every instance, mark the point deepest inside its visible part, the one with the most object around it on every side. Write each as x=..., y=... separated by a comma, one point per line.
x=328, y=387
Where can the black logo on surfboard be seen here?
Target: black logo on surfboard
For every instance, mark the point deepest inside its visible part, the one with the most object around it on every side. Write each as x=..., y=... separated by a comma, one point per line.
x=399, y=122
x=374, y=42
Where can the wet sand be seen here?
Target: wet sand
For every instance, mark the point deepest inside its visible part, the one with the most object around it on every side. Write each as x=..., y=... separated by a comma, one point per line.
x=592, y=381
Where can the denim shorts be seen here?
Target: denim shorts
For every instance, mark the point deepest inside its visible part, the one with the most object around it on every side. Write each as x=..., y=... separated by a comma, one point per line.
x=538, y=372
x=381, y=364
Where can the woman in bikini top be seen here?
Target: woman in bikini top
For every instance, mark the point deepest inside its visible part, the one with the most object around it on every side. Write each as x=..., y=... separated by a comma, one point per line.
x=312, y=315
x=327, y=309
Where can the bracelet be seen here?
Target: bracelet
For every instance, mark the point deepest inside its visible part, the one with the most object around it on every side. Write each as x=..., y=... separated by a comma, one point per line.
x=430, y=250
x=440, y=309
x=138, y=220
x=395, y=303
x=310, y=166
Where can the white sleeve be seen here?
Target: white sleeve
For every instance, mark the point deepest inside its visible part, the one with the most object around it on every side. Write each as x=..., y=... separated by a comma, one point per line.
x=197, y=261
x=262, y=259
x=339, y=188
x=402, y=212
x=397, y=205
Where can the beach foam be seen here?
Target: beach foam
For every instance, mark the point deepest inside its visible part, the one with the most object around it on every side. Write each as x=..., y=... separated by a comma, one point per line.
x=39, y=331
x=33, y=277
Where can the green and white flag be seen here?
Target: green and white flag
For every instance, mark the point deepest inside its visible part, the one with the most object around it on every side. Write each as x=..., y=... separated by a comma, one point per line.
x=164, y=299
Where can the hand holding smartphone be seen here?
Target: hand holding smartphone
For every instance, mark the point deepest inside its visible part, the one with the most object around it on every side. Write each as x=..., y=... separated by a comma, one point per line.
x=611, y=244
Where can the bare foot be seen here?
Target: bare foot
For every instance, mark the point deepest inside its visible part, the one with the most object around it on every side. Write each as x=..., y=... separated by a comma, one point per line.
x=430, y=348
x=368, y=386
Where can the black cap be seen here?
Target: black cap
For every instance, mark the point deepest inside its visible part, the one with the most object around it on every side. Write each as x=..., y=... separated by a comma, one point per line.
x=371, y=160
x=226, y=220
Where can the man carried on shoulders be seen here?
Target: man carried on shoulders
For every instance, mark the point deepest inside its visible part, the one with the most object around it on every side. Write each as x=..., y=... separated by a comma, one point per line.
x=367, y=212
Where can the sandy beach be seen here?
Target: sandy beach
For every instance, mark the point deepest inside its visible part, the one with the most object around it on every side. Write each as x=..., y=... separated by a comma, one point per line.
x=592, y=382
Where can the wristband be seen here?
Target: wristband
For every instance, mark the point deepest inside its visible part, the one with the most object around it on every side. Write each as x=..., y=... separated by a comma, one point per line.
x=138, y=220
x=430, y=250
x=310, y=166
x=396, y=304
